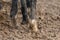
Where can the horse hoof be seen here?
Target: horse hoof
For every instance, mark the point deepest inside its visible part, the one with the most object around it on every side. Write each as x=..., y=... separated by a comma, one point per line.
x=34, y=25
x=24, y=22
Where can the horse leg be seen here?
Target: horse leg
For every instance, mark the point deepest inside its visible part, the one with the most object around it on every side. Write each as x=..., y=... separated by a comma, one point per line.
x=14, y=8
x=24, y=11
x=33, y=21
x=0, y=5
x=13, y=12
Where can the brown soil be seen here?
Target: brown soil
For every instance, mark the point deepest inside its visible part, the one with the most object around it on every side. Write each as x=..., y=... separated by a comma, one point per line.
x=47, y=15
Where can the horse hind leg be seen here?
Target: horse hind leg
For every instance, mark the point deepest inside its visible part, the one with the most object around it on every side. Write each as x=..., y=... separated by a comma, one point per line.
x=33, y=21
x=13, y=12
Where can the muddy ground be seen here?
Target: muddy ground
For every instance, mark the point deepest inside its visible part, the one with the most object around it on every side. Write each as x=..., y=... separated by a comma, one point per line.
x=47, y=15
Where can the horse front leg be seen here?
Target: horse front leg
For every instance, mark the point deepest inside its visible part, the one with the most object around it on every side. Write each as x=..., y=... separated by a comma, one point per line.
x=33, y=21
x=13, y=12
x=24, y=11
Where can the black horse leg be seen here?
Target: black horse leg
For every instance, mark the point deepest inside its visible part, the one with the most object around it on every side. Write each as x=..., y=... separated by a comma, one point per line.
x=24, y=11
x=0, y=5
x=33, y=21
x=13, y=12
x=33, y=9
x=14, y=8
x=28, y=3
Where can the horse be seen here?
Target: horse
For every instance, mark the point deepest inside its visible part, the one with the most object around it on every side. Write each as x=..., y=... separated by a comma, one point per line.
x=24, y=5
